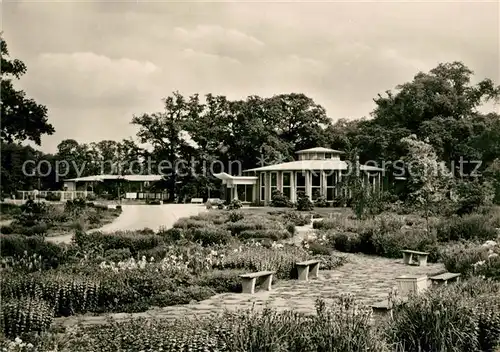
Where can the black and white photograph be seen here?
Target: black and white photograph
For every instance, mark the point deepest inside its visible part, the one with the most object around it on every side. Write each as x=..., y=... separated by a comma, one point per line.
x=250, y=176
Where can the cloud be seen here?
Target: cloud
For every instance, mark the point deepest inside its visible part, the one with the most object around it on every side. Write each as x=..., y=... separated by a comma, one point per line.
x=88, y=78
x=218, y=40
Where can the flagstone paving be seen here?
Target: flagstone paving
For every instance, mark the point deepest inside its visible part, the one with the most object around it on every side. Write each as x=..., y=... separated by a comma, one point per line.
x=368, y=278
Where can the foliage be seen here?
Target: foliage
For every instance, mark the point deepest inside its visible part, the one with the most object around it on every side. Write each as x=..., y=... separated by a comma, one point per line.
x=235, y=204
x=21, y=247
x=467, y=227
x=473, y=259
x=303, y=202
x=22, y=118
x=462, y=317
x=429, y=180
x=278, y=199
x=26, y=315
x=472, y=195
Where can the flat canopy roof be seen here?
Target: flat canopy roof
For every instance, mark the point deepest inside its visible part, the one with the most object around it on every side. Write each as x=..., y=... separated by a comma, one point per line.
x=98, y=178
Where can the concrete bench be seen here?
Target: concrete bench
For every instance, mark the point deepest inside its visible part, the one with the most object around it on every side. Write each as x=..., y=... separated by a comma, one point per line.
x=304, y=268
x=196, y=200
x=250, y=279
x=214, y=200
x=409, y=254
x=382, y=308
x=443, y=279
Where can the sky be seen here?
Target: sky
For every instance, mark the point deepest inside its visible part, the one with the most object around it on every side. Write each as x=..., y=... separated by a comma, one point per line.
x=96, y=64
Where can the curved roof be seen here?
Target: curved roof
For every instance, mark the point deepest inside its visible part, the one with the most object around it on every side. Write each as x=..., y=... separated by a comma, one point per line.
x=303, y=165
x=319, y=150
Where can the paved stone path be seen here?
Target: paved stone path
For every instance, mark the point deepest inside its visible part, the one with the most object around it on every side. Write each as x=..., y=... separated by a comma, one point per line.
x=368, y=278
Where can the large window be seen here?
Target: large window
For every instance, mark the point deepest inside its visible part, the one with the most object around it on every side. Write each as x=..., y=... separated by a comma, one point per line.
x=274, y=182
x=287, y=184
x=262, y=186
x=331, y=185
x=245, y=193
x=316, y=184
x=300, y=182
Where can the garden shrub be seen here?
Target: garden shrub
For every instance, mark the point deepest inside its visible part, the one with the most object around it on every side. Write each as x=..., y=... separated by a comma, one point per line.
x=26, y=315
x=117, y=240
x=208, y=236
x=235, y=216
x=75, y=205
x=467, y=227
x=321, y=202
x=51, y=254
x=316, y=248
x=279, y=200
x=6, y=229
x=116, y=255
x=296, y=218
x=272, y=234
x=461, y=317
x=10, y=209
x=471, y=258
x=222, y=280
x=66, y=294
x=52, y=196
x=303, y=202
x=346, y=242
x=235, y=204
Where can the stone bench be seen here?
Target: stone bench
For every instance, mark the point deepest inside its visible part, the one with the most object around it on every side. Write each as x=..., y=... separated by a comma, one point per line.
x=309, y=266
x=196, y=200
x=250, y=279
x=382, y=308
x=409, y=254
x=214, y=201
x=443, y=279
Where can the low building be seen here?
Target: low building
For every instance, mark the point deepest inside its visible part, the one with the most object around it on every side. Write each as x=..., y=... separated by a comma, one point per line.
x=317, y=172
x=126, y=186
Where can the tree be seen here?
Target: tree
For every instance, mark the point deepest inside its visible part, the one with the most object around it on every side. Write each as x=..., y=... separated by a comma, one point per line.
x=22, y=118
x=163, y=132
x=429, y=180
x=443, y=92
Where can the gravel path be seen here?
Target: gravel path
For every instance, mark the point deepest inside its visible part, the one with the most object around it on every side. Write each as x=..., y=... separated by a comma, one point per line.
x=137, y=217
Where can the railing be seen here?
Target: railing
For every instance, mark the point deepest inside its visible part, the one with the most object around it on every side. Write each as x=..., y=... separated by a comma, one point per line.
x=64, y=195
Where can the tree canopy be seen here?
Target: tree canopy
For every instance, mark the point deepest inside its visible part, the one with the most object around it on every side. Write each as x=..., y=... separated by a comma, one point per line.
x=22, y=117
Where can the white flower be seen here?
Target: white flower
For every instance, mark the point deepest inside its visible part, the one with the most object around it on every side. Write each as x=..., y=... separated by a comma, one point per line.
x=493, y=255
x=480, y=263
x=17, y=340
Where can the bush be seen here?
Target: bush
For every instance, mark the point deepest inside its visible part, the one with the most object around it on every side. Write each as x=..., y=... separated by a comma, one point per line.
x=346, y=242
x=134, y=241
x=235, y=204
x=467, y=227
x=16, y=246
x=235, y=216
x=27, y=315
x=272, y=234
x=210, y=236
x=52, y=196
x=321, y=202
x=462, y=317
x=6, y=229
x=473, y=195
x=296, y=218
x=65, y=294
x=222, y=280
x=75, y=206
x=117, y=255
x=278, y=199
x=303, y=202
x=470, y=258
